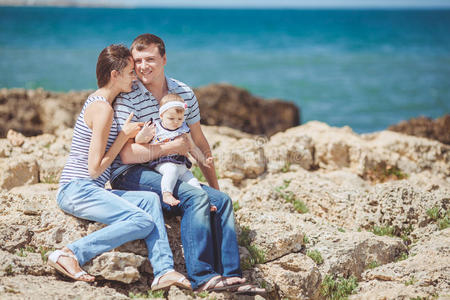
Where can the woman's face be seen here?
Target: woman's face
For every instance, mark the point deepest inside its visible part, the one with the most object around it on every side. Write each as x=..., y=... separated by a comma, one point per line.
x=126, y=77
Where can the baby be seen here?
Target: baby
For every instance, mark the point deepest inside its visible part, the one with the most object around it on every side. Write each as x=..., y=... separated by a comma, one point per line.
x=172, y=167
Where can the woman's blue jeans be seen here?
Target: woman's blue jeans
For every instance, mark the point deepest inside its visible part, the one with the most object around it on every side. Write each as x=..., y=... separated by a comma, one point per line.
x=131, y=215
x=209, y=240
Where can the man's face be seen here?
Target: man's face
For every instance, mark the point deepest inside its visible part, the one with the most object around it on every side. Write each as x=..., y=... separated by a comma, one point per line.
x=149, y=64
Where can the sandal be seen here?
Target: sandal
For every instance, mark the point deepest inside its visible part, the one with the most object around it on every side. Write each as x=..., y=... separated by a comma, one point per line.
x=53, y=262
x=213, y=285
x=181, y=281
x=250, y=290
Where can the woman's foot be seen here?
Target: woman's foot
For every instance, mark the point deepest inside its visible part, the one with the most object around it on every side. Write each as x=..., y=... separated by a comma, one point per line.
x=65, y=262
x=168, y=198
x=171, y=278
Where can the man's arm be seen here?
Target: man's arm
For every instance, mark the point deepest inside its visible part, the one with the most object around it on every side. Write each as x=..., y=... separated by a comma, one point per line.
x=134, y=153
x=200, y=140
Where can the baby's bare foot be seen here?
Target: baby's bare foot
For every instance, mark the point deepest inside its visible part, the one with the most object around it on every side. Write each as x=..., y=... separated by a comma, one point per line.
x=168, y=198
x=213, y=208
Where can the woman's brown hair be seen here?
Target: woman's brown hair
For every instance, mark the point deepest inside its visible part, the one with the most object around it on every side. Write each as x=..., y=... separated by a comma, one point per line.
x=113, y=57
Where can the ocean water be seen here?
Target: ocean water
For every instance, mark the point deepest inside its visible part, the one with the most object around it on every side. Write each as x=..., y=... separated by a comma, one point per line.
x=364, y=68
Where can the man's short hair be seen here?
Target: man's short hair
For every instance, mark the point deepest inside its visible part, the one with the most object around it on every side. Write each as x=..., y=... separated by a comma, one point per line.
x=144, y=40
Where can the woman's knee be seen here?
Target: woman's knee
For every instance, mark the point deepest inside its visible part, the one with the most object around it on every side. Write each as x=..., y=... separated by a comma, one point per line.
x=150, y=202
x=143, y=222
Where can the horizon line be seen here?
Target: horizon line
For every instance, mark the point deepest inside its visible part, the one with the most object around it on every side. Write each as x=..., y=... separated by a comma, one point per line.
x=296, y=7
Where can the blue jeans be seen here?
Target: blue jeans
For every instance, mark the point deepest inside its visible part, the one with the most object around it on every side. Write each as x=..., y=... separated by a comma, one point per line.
x=131, y=215
x=209, y=240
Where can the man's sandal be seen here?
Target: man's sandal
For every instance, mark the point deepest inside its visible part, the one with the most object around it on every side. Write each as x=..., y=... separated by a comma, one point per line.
x=220, y=284
x=250, y=290
x=175, y=278
x=53, y=262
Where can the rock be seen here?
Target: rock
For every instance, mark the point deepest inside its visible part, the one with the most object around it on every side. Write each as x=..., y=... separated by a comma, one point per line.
x=118, y=266
x=43, y=287
x=33, y=112
x=282, y=150
x=295, y=276
x=5, y=148
x=20, y=171
x=400, y=206
x=244, y=159
x=438, y=129
x=302, y=198
x=280, y=235
x=14, y=237
x=347, y=253
x=409, y=154
x=425, y=273
x=23, y=262
x=15, y=138
x=19, y=112
x=226, y=105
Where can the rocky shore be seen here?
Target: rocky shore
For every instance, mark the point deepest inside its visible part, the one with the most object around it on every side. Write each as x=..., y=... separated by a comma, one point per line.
x=438, y=129
x=33, y=112
x=321, y=213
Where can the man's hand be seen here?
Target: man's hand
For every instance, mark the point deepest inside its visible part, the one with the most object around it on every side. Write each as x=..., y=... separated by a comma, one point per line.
x=181, y=145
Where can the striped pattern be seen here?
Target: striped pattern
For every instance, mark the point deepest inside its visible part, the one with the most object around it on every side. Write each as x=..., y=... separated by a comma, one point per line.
x=77, y=164
x=144, y=106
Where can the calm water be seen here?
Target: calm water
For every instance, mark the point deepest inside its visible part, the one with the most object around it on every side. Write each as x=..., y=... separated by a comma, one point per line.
x=366, y=69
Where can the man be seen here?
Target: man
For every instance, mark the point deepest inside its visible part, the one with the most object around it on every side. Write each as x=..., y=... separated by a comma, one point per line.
x=209, y=242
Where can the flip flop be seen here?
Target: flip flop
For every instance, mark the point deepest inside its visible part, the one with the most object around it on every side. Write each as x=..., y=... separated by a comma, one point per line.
x=211, y=285
x=53, y=262
x=157, y=284
x=250, y=290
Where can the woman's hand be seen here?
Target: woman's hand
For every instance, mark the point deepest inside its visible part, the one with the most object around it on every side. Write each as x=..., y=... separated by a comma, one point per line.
x=130, y=129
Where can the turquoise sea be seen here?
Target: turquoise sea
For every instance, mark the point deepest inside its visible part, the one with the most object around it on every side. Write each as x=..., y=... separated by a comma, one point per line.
x=364, y=68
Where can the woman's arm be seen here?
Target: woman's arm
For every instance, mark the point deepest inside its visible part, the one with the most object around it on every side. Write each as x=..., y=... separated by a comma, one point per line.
x=98, y=117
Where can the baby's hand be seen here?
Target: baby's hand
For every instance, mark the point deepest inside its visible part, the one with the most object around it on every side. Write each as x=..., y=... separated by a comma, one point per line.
x=208, y=162
x=146, y=134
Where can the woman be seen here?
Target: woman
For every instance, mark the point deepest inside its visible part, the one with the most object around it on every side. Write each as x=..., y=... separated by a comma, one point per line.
x=131, y=215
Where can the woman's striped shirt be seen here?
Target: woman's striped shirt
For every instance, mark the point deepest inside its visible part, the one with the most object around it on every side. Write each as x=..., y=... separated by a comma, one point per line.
x=77, y=164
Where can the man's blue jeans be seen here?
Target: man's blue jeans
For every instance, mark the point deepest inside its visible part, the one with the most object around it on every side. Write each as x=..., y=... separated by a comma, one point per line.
x=209, y=240
x=131, y=215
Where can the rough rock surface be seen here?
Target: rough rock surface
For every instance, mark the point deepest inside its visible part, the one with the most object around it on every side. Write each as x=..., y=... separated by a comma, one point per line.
x=307, y=202
x=425, y=272
x=33, y=112
x=438, y=129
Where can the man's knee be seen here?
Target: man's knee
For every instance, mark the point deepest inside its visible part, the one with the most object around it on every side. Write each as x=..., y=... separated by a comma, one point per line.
x=222, y=200
x=198, y=198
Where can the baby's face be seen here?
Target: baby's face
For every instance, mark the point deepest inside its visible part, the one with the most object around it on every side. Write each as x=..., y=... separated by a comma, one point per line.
x=171, y=119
